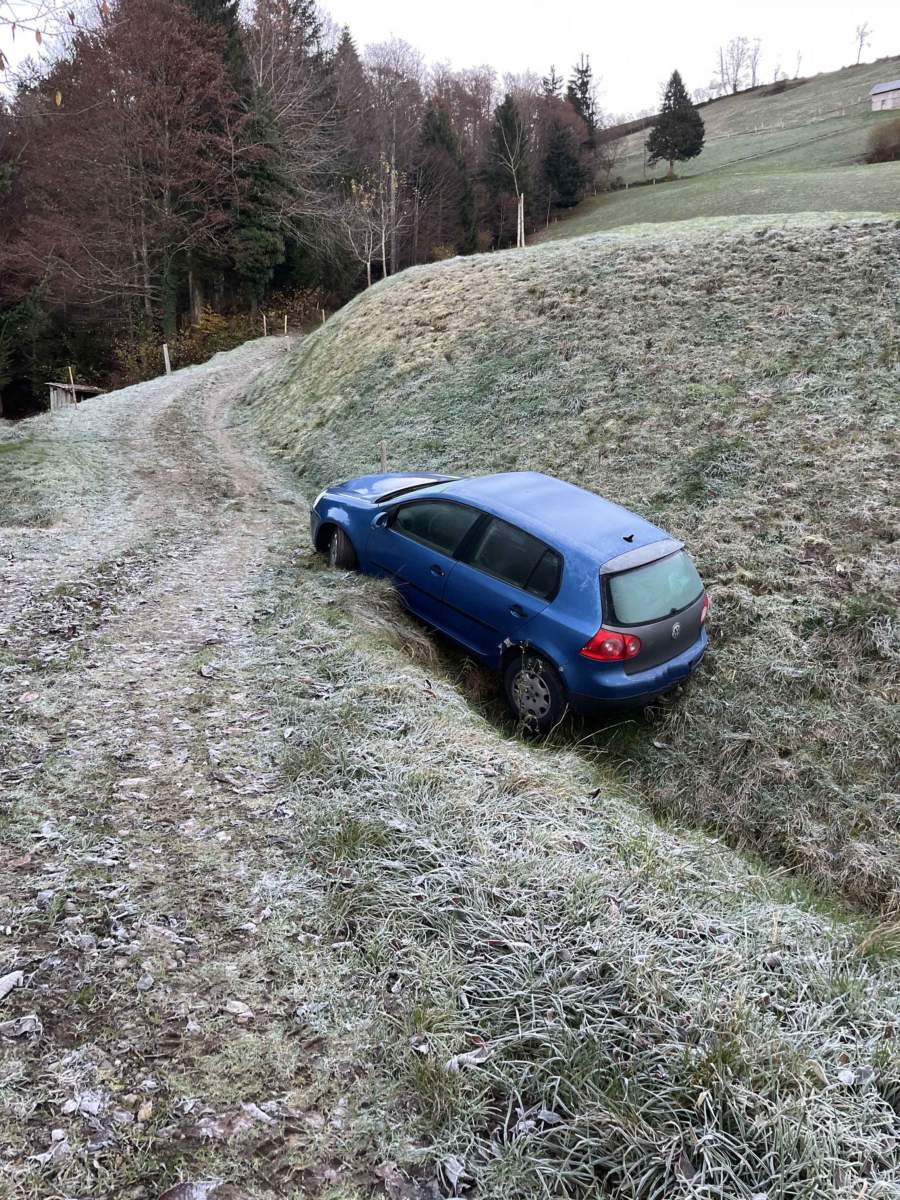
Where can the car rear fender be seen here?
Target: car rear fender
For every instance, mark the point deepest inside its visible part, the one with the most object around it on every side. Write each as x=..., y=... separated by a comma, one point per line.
x=510, y=647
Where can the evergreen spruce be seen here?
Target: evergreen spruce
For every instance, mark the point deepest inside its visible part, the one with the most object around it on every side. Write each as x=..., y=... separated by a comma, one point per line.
x=224, y=15
x=562, y=166
x=257, y=243
x=551, y=85
x=580, y=94
x=679, y=132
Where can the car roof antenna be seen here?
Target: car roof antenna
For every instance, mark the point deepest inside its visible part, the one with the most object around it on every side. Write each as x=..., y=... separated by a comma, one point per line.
x=627, y=537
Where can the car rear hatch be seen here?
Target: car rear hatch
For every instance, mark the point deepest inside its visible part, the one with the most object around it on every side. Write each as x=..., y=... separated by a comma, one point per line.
x=654, y=594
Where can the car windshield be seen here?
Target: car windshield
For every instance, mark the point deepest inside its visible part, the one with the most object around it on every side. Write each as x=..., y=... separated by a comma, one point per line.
x=656, y=590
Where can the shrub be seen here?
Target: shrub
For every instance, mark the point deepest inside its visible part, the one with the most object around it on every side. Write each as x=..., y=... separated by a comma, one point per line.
x=884, y=142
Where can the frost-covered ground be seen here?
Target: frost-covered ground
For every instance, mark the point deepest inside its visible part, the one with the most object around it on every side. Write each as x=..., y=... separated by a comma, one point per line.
x=736, y=380
x=284, y=916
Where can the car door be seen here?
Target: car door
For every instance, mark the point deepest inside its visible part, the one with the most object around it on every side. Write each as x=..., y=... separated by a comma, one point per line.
x=414, y=544
x=507, y=577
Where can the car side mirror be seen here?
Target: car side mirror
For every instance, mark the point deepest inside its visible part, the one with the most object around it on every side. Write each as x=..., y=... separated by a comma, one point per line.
x=381, y=520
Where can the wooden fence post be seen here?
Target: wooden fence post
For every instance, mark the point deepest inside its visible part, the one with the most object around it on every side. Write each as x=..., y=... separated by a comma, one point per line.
x=382, y=449
x=72, y=385
x=265, y=327
x=285, y=324
x=323, y=316
x=166, y=359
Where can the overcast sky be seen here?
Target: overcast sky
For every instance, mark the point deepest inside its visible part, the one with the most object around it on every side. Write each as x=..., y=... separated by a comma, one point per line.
x=633, y=47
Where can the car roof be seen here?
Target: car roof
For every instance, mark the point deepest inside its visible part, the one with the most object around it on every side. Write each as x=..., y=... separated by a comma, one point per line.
x=556, y=511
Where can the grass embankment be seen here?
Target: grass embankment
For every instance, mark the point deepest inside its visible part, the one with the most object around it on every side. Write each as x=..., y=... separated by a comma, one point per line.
x=536, y=990
x=735, y=383
x=793, y=151
x=25, y=482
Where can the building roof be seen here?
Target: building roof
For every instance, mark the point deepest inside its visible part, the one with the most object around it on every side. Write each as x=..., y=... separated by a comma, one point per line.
x=880, y=88
x=85, y=388
x=557, y=511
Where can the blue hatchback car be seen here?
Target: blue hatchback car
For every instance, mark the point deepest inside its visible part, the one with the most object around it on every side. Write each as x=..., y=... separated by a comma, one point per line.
x=578, y=602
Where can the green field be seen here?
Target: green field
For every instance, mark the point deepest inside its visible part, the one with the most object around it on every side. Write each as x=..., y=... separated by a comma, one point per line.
x=798, y=151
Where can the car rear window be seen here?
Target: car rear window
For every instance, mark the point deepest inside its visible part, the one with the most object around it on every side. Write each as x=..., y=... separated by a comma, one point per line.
x=656, y=590
x=436, y=523
x=516, y=557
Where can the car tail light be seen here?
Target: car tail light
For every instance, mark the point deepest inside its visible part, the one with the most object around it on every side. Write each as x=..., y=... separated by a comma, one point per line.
x=609, y=646
x=704, y=611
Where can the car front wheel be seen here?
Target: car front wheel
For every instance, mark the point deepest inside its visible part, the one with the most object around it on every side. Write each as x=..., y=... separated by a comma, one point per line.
x=535, y=692
x=340, y=551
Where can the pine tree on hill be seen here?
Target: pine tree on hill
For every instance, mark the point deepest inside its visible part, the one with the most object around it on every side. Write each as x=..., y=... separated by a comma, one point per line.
x=551, y=85
x=679, y=132
x=580, y=94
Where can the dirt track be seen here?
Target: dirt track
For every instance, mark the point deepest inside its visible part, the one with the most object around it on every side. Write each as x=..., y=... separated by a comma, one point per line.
x=135, y=760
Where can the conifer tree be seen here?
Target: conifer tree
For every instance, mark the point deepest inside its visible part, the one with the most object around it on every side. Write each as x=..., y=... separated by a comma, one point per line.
x=580, y=94
x=224, y=15
x=679, y=132
x=551, y=85
x=562, y=167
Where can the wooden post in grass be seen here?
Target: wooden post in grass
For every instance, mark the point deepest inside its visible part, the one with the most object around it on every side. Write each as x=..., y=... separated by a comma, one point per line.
x=166, y=359
x=323, y=316
x=265, y=326
x=382, y=450
x=285, y=324
x=72, y=386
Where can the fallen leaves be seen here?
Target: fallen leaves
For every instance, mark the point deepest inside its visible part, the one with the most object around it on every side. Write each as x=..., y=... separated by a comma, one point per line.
x=27, y=1026
x=471, y=1058
x=242, y=1013
x=9, y=981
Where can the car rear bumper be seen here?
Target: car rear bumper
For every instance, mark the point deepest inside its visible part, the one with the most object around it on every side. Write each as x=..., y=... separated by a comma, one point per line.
x=615, y=689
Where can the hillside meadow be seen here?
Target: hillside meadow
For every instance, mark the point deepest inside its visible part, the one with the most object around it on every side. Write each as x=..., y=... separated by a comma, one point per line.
x=795, y=150
x=736, y=382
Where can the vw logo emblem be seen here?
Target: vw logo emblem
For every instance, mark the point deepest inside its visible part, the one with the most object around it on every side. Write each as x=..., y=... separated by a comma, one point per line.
x=676, y=629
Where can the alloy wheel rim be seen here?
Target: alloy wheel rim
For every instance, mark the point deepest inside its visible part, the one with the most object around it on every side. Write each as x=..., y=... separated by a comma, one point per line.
x=532, y=695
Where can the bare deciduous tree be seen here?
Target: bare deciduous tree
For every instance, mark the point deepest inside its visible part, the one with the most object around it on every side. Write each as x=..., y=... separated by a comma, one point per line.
x=733, y=64
x=283, y=69
x=359, y=218
x=754, y=53
x=863, y=39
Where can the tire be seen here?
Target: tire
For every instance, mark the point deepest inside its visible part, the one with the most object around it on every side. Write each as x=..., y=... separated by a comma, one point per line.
x=535, y=692
x=340, y=551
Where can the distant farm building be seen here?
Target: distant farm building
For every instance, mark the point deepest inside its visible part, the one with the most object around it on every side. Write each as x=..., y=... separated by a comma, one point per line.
x=64, y=395
x=885, y=95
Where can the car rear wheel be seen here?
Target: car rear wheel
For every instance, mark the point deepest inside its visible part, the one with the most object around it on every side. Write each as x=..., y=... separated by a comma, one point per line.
x=535, y=692
x=340, y=551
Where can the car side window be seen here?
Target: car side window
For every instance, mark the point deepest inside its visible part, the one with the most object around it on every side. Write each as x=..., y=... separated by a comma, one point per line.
x=435, y=523
x=516, y=557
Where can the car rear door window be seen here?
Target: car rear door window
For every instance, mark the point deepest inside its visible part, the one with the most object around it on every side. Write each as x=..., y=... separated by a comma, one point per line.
x=657, y=590
x=516, y=557
x=435, y=523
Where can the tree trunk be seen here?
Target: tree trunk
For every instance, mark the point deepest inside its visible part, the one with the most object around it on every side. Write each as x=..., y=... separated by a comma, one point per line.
x=393, y=214
x=195, y=293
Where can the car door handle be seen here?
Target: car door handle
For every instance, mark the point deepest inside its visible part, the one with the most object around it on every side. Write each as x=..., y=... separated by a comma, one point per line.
x=516, y=610
x=436, y=570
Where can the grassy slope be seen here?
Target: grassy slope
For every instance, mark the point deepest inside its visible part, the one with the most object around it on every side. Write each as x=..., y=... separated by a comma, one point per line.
x=646, y=1013
x=792, y=152
x=736, y=383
